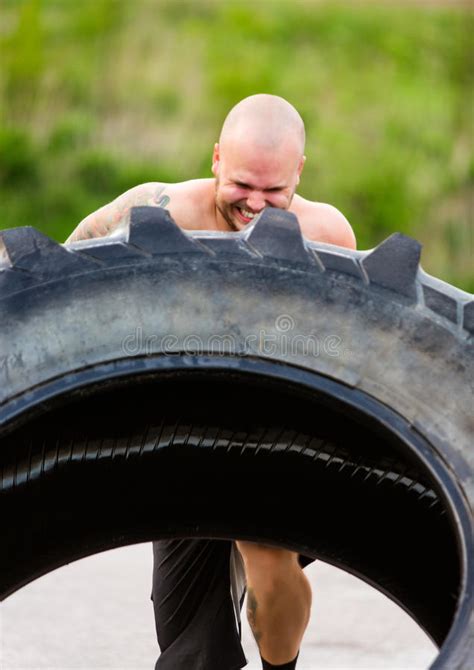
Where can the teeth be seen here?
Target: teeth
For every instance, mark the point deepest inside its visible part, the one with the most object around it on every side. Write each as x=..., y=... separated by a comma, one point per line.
x=247, y=214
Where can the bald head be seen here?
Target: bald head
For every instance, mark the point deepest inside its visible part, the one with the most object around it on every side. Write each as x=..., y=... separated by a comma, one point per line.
x=265, y=121
x=258, y=160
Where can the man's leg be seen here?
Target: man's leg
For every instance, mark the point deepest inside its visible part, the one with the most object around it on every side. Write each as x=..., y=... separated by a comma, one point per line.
x=278, y=601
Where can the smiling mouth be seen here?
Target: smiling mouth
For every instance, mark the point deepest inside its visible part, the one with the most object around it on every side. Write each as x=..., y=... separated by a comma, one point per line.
x=245, y=215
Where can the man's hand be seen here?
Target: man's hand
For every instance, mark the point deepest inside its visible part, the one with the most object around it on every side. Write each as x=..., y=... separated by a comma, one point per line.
x=110, y=217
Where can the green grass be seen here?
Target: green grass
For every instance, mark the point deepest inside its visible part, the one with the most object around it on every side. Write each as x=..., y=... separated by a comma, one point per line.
x=100, y=95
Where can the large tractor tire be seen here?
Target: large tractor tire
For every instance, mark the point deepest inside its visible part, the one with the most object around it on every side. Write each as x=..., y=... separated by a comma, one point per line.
x=161, y=383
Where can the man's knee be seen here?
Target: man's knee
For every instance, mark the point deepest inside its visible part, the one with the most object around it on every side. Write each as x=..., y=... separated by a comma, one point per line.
x=264, y=559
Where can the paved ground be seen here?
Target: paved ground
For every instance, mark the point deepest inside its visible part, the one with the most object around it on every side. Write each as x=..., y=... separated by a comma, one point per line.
x=97, y=614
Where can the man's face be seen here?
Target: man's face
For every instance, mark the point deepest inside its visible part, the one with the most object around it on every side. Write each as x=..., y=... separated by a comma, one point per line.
x=248, y=179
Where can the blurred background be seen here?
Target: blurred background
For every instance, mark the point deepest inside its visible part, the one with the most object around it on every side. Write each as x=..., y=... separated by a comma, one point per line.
x=97, y=96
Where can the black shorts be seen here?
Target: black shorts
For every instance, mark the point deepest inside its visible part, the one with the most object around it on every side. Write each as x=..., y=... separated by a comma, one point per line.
x=198, y=592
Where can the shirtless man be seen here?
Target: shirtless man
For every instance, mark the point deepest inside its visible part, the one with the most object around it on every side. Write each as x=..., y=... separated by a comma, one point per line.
x=256, y=164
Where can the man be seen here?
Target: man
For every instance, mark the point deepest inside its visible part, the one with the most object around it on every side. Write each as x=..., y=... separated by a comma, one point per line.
x=256, y=164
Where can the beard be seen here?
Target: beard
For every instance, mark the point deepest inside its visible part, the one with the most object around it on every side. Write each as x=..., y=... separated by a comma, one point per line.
x=227, y=216
x=225, y=209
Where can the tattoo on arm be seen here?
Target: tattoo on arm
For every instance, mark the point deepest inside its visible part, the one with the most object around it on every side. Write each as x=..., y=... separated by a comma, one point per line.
x=161, y=200
x=99, y=224
x=111, y=216
x=251, y=614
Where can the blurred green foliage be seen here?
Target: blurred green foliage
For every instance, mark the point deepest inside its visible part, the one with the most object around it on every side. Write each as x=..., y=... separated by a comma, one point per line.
x=100, y=95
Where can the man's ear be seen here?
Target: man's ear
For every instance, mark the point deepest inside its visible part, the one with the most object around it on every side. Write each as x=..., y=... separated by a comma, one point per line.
x=300, y=168
x=215, y=159
x=301, y=165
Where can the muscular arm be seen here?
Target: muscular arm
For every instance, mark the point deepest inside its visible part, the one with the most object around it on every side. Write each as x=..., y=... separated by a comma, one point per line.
x=106, y=219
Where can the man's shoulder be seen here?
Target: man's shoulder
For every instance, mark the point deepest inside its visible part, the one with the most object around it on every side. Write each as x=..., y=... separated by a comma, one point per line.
x=321, y=222
x=186, y=201
x=191, y=187
x=190, y=202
